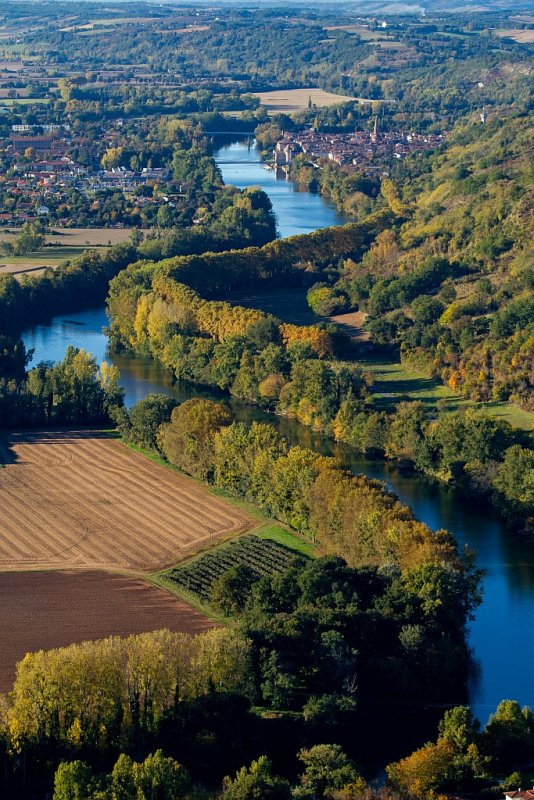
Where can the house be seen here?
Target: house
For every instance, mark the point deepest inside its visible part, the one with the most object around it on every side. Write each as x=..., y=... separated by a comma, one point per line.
x=520, y=794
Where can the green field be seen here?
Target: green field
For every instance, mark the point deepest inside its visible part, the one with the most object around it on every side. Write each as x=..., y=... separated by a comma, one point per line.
x=395, y=382
x=24, y=101
x=45, y=257
x=286, y=539
x=264, y=553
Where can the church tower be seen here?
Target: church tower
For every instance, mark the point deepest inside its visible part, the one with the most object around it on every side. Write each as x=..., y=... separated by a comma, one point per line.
x=375, y=133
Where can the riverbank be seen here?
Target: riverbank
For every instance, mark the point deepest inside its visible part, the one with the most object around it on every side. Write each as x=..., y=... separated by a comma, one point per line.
x=502, y=622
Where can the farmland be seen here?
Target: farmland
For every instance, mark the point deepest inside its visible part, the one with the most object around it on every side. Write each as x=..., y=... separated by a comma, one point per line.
x=518, y=35
x=289, y=100
x=263, y=556
x=76, y=237
x=53, y=609
x=73, y=499
x=60, y=245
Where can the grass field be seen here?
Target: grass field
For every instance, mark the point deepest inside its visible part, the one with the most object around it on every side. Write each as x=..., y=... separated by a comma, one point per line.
x=43, y=610
x=38, y=261
x=363, y=32
x=79, y=499
x=60, y=245
x=395, y=382
x=290, y=100
x=24, y=101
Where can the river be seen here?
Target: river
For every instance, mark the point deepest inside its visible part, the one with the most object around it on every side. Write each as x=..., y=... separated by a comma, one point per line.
x=501, y=637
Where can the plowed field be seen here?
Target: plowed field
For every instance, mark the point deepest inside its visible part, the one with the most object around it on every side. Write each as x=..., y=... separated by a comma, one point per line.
x=43, y=610
x=77, y=499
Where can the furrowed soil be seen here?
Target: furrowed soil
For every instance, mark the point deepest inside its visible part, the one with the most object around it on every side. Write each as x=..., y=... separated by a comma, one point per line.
x=81, y=500
x=44, y=610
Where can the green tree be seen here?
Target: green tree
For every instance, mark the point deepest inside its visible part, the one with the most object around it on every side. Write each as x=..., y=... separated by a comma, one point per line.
x=231, y=590
x=147, y=416
x=509, y=735
x=326, y=769
x=515, y=479
x=160, y=778
x=188, y=439
x=255, y=783
x=74, y=780
x=122, y=780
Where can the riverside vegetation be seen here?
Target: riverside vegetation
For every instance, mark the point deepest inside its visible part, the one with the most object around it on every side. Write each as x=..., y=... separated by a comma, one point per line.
x=326, y=670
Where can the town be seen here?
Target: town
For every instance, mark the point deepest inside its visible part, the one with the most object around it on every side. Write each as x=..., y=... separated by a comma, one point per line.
x=369, y=151
x=47, y=171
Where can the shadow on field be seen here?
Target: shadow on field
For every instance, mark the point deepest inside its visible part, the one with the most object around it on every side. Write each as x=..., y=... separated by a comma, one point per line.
x=9, y=440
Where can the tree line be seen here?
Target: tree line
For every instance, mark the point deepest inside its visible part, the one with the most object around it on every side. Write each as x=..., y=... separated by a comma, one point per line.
x=75, y=391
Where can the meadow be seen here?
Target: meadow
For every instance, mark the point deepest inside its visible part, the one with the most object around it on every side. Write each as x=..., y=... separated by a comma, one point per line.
x=60, y=245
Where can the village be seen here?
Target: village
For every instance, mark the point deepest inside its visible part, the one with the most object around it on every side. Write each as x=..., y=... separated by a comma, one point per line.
x=46, y=170
x=368, y=151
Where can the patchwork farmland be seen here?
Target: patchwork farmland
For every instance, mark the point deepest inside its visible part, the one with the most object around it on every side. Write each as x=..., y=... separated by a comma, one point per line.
x=44, y=610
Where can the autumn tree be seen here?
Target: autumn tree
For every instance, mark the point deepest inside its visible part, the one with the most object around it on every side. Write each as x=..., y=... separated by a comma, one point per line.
x=188, y=440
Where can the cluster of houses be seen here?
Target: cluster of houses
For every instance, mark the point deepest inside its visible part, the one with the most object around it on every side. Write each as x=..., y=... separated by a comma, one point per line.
x=369, y=151
x=42, y=173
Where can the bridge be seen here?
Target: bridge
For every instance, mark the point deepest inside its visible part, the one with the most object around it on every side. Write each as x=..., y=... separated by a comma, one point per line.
x=220, y=162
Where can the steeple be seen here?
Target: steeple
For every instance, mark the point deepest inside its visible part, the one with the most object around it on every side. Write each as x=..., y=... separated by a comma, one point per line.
x=374, y=135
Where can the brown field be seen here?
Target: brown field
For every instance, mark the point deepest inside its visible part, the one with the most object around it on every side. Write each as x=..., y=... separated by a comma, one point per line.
x=81, y=500
x=518, y=35
x=187, y=29
x=75, y=237
x=43, y=610
x=289, y=100
x=352, y=324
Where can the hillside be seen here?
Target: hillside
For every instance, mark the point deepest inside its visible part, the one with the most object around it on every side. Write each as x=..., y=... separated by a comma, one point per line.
x=452, y=286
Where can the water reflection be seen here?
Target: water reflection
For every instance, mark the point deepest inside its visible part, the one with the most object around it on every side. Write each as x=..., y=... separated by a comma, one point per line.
x=296, y=211
x=502, y=635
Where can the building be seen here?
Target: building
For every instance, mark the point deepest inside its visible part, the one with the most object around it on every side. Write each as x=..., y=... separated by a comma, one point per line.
x=520, y=794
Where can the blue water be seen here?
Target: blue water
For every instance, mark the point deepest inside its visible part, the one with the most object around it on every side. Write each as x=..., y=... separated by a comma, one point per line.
x=296, y=211
x=502, y=637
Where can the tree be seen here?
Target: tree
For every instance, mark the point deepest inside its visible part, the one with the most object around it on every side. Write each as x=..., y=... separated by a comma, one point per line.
x=425, y=771
x=74, y=780
x=255, y=783
x=327, y=769
x=112, y=157
x=231, y=590
x=459, y=727
x=13, y=360
x=160, y=778
x=509, y=735
x=515, y=479
x=147, y=416
x=187, y=441
x=30, y=238
x=122, y=779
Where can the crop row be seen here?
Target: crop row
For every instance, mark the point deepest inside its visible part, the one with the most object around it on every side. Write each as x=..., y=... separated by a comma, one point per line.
x=262, y=556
